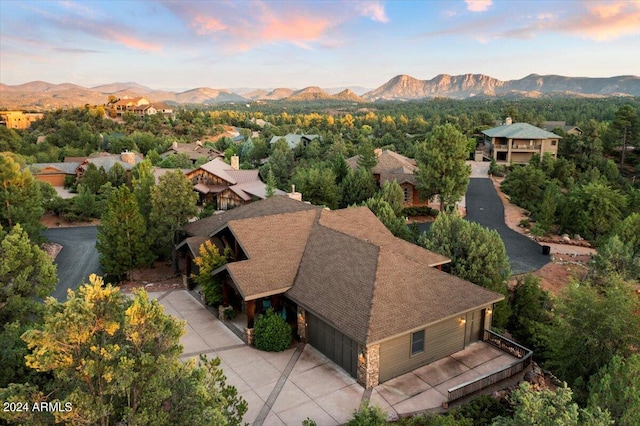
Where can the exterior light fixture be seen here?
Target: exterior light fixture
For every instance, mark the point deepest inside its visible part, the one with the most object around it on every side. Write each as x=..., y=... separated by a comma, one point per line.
x=462, y=321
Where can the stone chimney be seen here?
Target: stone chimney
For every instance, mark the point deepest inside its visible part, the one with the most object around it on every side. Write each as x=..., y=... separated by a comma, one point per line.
x=128, y=157
x=235, y=162
x=174, y=146
x=378, y=152
x=295, y=195
x=508, y=121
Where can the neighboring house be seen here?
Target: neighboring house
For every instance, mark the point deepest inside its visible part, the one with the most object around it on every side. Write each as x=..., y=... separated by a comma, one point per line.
x=517, y=142
x=53, y=173
x=129, y=104
x=375, y=304
x=393, y=166
x=194, y=151
x=294, y=140
x=18, y=119
x=105, y=160
x=226, y=185
x=550, y=126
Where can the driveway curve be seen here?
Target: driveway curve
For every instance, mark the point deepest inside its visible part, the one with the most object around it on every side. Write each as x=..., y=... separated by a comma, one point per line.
x=78, y=258
x=485, y=207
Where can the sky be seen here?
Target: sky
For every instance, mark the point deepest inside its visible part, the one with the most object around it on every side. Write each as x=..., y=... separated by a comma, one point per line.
x=177, y=45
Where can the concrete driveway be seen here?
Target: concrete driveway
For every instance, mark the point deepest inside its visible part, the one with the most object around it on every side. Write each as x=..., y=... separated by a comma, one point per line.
x=78, y=258
x=285, y=388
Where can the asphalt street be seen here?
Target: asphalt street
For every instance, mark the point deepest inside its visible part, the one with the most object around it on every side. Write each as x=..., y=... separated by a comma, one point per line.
x=485, y=207
x=78, y=258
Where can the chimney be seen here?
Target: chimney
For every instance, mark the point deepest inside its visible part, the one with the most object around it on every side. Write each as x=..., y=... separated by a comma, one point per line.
x=508, y=121
x=174, y=146
x=235, y=162
x=128, y=157
x=295, y=195
x=378, y=152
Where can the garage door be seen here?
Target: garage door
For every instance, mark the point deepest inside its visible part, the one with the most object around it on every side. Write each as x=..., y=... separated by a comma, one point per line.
x=335, y=345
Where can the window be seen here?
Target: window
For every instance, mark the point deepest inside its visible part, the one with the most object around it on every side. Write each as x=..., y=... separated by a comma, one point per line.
x=406, y=194
x=417, y=342
x=553, y=143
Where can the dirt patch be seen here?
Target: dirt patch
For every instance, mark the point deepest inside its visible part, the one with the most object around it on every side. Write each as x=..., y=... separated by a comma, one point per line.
x=555, y=275
x=158, y=278
x=51, y=220
x=512, y=213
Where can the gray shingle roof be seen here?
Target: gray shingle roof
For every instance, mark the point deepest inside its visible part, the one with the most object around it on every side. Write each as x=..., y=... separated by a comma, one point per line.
x=67, y=168
x=520, y=131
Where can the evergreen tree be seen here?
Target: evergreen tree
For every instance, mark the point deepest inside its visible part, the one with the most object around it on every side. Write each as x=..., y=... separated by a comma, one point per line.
x=26, y=274
x=357, y=186
x=318, y=186
x=442, y=168
x=616, y=388
x=271, y=184
x=20, y=198
x=477, y=254
x=393, y=194
x=143, y=181
x=367, y=159
x=93, y=178
x=173, y=203
x=385, y=213
x=122, y=235
x=116, y=360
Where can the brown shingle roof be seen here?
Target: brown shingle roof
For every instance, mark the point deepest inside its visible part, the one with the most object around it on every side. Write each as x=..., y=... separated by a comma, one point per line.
x=275, y=205
x=373, y=286
x=274, y=246
x=391, y=166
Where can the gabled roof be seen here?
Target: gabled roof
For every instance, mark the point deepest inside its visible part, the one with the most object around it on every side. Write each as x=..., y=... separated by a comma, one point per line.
x=46, y=168
x=275, y=205
x=391, y=166
x=520, y=131
x=343, y=266
x=219, y=168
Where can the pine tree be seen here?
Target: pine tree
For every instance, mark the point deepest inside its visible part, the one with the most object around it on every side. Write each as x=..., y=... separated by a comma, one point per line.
x=367, y=159
x=143, y=182
x=271, y=184
x=26, y=273
x=173, y=203
x=122, y=235
x=20, y=198
x=442, y=168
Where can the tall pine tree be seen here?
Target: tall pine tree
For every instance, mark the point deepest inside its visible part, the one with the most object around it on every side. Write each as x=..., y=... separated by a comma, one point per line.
x=122, y=235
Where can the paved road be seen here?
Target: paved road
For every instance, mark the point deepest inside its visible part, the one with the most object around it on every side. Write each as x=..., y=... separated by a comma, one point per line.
x=485, y=207
x=78, y=258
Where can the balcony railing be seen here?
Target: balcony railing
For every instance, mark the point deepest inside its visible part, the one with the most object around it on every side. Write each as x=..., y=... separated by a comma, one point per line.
x=516, y=147
x=524, y=360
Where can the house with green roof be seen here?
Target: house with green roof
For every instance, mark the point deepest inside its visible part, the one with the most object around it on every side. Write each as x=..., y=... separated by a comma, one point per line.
x=517, y=142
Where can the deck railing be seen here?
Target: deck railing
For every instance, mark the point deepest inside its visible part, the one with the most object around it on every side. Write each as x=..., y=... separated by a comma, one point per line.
x=512, y=348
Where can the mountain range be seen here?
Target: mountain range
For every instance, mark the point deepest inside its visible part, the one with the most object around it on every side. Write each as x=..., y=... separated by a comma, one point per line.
x=40, y=95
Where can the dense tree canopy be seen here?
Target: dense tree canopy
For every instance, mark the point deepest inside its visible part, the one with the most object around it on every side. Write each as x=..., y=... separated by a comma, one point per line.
x=26, y=274
x=20, y=198
x=115, y=359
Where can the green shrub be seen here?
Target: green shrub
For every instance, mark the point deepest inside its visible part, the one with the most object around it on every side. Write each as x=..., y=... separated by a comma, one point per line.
x=229, y=313
x=272, y=333
x=524, y=223
x=419, y=211
x=480, y=410
x=538, y=230
x=368, y=415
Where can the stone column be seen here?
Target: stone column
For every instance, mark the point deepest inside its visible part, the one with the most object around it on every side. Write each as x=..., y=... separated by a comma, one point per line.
x=302, y=324
x=369, y=366
x=248, y=336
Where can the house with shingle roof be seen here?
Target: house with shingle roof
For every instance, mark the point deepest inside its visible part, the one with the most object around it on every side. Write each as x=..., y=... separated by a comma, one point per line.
x=226, y=185
x=517, y=142
x=375, y=304
x=194, y=151
x=393, y=166
x=53, y=173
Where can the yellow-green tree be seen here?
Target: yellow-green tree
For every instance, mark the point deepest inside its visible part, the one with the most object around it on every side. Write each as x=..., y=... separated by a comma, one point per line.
x=209, y=260
x=115, y=359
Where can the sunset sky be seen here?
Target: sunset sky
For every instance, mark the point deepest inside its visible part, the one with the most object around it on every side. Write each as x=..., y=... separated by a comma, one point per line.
x=266, y=44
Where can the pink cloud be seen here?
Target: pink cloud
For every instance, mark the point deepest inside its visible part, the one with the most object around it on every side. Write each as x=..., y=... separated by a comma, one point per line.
x=478, y=5
x=130, y=41
x=373, y=10
x=606, y=21
x=207, y=24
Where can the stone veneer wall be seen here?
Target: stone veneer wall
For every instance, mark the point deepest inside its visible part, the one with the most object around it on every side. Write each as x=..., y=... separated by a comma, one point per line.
x=248, y=336
x=369, y=366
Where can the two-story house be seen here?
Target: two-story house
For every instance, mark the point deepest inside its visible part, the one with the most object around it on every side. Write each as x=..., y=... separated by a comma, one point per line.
x=517, y=142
